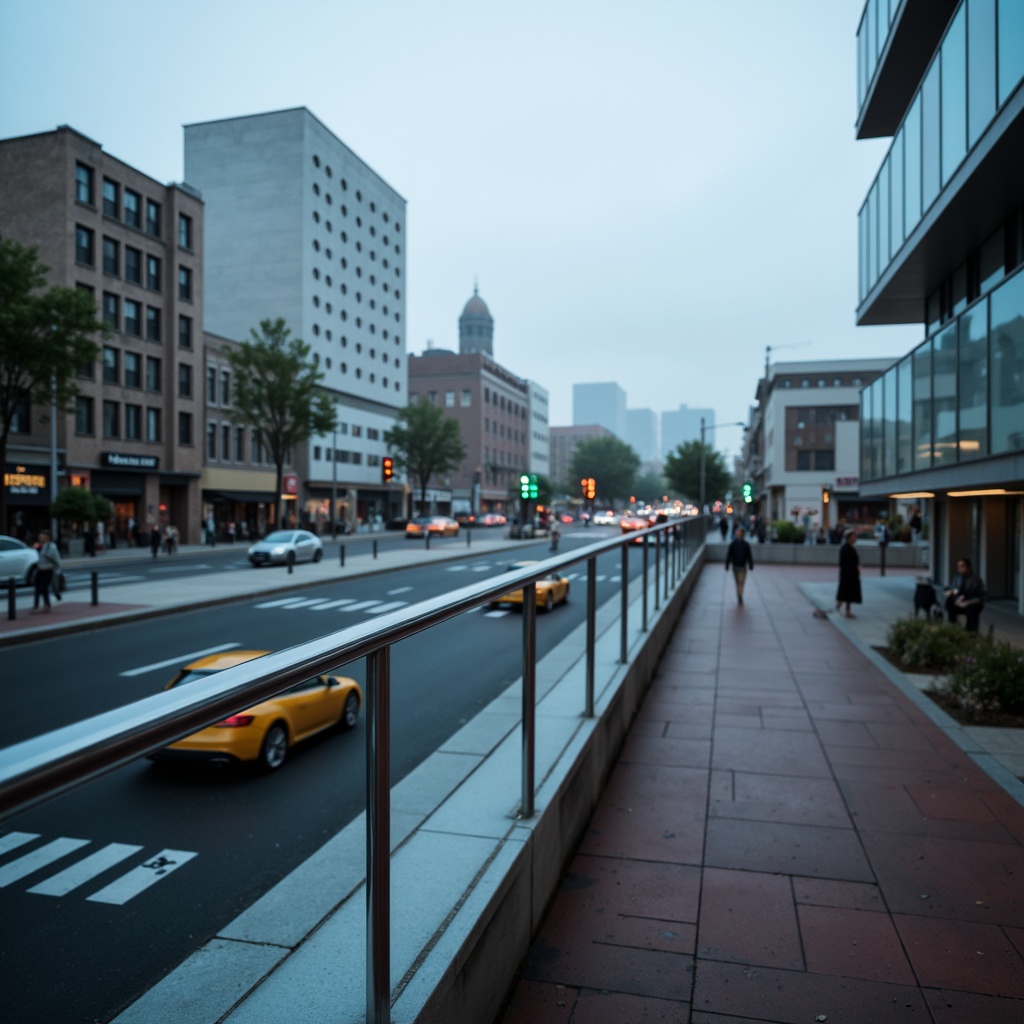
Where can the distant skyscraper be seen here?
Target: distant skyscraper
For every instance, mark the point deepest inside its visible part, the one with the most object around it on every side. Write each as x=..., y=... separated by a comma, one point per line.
x=604, y=404
x=642, y=433
x=682, y=425
x=476, y=327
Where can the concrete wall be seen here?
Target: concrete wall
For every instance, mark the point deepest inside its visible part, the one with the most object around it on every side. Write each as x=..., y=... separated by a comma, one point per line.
x=897, y=556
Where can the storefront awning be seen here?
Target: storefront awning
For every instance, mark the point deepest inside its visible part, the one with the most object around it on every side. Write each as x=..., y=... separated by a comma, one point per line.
x=249, y=497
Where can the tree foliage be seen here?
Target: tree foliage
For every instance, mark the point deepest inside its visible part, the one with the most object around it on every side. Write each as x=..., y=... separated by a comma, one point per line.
x=650, y=488
x=682, y=470
x=612, y=463
x=46, y=336
x=74, y=505
x=425, y=443
x=276, y=390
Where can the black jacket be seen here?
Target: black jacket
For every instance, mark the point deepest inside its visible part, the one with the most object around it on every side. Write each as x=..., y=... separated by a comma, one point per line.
x=739, y=555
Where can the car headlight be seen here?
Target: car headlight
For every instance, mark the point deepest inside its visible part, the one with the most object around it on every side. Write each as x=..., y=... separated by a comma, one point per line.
x=279, y=550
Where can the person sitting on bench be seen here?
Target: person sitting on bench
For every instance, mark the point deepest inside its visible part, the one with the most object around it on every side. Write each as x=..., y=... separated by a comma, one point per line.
x=965, y=596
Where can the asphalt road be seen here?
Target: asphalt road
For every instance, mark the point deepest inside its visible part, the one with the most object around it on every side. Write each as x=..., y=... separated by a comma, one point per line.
x=199, y=844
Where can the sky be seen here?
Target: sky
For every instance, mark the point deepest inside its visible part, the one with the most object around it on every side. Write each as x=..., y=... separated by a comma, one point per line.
x=645, y=191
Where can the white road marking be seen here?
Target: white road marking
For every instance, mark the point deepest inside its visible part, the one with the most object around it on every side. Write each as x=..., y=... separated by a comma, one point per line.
x=13, y=840
x=455, y=568
x=389, y=607
x=18, y=869
x=85, y=870
x=280, y=602
x=304, y=602
x=498, y=613
x=360, y=605
x=141, y=878
x=481, y=568
x=179, y=660
x=399, y=590
x=328, y=604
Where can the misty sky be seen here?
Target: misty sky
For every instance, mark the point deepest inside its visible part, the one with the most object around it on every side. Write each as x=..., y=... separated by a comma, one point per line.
x=648, y=191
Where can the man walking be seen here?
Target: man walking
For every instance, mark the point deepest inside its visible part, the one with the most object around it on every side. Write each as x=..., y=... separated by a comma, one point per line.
x=739, y=556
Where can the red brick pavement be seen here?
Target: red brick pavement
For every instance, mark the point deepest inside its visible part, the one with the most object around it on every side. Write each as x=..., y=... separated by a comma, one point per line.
x=785, y=838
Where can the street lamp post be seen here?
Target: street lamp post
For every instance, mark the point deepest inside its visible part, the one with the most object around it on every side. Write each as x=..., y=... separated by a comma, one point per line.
x=703, y=429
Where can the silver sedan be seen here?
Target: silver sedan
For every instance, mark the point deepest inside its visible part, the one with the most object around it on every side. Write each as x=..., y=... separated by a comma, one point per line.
x=17, y=560
x=284, y=546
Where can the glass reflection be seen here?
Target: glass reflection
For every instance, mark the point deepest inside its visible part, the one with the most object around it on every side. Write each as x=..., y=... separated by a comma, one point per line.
x=953, y=59
x=905, y=430
x=972, y=389
x=981, y=83
x=889, y=423
x=923, y=406
x=944, y=397
x=1007, y=397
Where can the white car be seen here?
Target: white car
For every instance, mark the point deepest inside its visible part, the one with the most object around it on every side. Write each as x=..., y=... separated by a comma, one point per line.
x=283, y=546
x=17, y=560
x=608, y=518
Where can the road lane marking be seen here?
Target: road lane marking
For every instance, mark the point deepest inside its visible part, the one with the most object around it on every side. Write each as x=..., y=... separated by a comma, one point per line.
x=389, y=607
x=141, y=878
x=399, y=590
x=18, y=869
x=498, y=613
x=85, y=870
x=455, y=568
x=279, y=603
x=304, y=602
x=179, y=660
x=328, y=604
x=360, y=605
x=13, y=840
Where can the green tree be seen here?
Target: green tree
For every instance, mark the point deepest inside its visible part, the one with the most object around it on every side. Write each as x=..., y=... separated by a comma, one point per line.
x=682, y=470
x=612, y=463
x=276, y=390
x=425, y=443
x=46, y=336
x=74, y=505
x=651, y=488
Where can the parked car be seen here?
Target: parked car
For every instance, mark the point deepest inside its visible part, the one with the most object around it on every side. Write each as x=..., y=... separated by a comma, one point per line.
x=493, y=519
x=17, y=560
x=607, y=518
x=264, y=734
x=276, y=547
x=551, y=590
x=436, y=526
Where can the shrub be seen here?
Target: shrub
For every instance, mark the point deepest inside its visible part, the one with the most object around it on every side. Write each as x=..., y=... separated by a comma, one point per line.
x=789, y=533
x=921, y=646
x=988, y=677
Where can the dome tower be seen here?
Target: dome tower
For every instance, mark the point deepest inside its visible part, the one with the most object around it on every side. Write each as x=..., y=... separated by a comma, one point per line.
x=476, y=327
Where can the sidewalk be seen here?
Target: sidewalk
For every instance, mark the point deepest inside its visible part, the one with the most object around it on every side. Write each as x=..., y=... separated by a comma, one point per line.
x=793, y=832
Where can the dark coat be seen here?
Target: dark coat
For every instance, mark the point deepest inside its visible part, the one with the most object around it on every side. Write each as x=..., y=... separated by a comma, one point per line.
x=849, y=574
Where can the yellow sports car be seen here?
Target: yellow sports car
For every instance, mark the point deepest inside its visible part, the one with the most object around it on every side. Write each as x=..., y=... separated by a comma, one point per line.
x=551, y=590
x=264, y=733
x=436, y=526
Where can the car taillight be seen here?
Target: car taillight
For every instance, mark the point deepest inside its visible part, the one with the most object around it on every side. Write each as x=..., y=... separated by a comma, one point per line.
x=236, y=721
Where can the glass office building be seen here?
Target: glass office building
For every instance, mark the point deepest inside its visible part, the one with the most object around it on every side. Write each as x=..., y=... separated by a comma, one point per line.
x=941, y=243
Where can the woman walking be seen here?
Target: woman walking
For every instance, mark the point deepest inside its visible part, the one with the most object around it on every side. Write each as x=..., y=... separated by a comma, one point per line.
x=849, y=575
x=49, y=562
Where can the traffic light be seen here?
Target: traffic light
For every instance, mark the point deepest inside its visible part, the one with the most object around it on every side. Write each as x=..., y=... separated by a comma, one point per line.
x=533, y=490
x=826, y=496
x=589, y=486
x=524, y=487
x=387, y=469
x=748, y=492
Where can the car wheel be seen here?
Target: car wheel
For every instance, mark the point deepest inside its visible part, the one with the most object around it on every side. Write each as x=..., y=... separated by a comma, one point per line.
x=275, y=748
x=549, y=601
x=350, y=712
x=318, y=555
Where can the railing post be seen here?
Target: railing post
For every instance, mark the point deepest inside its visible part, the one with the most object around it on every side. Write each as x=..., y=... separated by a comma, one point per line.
x=378, y=837
x=529, y=696
x=591, y=632
x=94, y=587
x=657, y=571
x=12, y=601
x=665, y=537
x=375, y=547
x=643, y=617
x=623, y=617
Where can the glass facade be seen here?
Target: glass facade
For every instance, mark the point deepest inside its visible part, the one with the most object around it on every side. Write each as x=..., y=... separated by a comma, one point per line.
x=979, y=65
x=958, y=396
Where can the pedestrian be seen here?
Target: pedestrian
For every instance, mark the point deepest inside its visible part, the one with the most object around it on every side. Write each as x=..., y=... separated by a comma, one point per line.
x=170, y=538
x=48, y=564
x=129, y=538
x=211, y=531
x=849, y=575
x=915, y=525
x=739, y=556
x=154, y=540
x=965, y=596
x=723, y=527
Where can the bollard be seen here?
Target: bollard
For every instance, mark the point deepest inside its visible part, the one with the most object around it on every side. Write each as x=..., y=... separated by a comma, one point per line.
x=12, y=604
x=375, y=549
x=290, y=559
x=94, y=584
x=469, y=533
x=341, y=553
x=883, y=546
x=426, y=530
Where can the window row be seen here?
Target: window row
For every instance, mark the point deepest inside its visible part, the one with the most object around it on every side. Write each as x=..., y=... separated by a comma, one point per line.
x=978, y=66
x=226, y=442
x=139, y=268
x=218, y=386
x=126, y=421
x=505, y=404
x=343, y=262
x=130, y=370
x=127, y=205
x=343, y=287
x=956, y=397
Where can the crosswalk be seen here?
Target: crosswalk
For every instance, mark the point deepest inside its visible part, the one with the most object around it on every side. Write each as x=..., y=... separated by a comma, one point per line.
x=36, y=858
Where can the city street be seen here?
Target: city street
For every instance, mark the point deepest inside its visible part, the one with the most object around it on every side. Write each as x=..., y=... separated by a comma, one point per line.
x=142, y=867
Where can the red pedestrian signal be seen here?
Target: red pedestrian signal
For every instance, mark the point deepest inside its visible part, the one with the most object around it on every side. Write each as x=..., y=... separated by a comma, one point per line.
x=387, y=469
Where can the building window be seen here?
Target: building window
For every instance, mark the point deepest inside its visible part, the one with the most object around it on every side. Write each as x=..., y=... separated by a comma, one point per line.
x=184, y=231
x=225, y=442
x=132, y=370
x=111, y=257
x=112, y=366
x=153, y=273
x=239, y=444
x=824, y=461
x=111, y=207
x=467, y=398
x=449, y=399
x=132, y=208
x=153, y=218
x=21, y=420
x=152, y=424
x=185, y=332
x=152, y=374
x=152, y=324
x=133, y=422
x=211, y=385
x=83, y=415
x=185, y=428
x=132, y=265
x=211, y=441
x=184, y=380
x=111, y=310
x=83, y=183
x=85, y=246
x=132, y=318
x=184, y=283
x=111, y=419
x=225, y=387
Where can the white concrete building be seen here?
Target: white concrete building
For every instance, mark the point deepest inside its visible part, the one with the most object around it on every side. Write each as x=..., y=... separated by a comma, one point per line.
x=299, y=227
x=540, y=430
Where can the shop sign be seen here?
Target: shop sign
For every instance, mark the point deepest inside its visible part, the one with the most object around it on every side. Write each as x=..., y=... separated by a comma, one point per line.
x=290, y=483
x=847, y=483
x=25, y=481
x=118, y=460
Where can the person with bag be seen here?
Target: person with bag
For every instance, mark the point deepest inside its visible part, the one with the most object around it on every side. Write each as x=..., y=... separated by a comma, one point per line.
x=49, y=563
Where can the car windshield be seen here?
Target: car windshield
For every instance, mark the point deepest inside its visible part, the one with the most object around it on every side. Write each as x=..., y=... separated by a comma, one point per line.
x=280, y=537
x=422, y=521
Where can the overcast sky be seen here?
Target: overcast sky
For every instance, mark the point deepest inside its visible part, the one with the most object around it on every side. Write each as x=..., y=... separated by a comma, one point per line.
x=648, y=191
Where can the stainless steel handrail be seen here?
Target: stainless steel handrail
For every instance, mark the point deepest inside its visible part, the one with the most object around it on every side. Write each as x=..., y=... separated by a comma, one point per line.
x=48, y=765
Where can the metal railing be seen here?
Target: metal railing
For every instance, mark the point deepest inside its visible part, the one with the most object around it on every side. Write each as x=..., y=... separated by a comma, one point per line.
x=46, y=766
